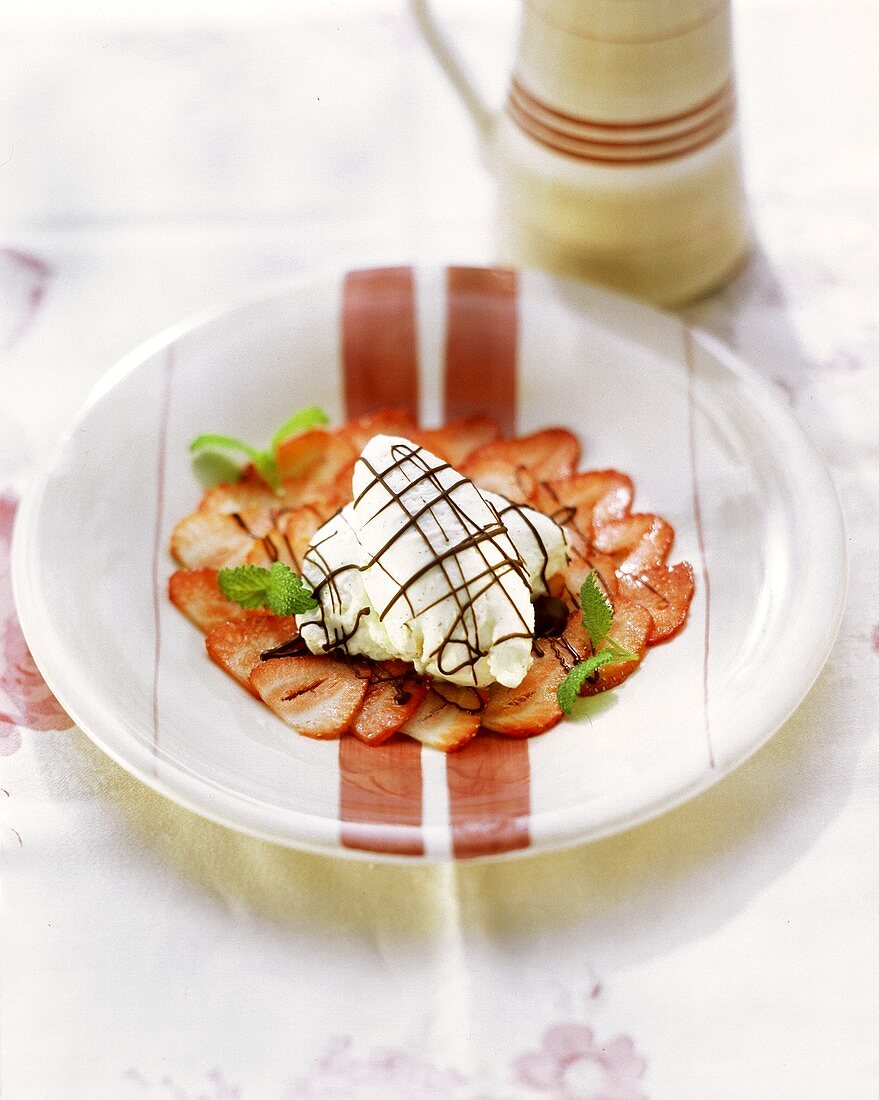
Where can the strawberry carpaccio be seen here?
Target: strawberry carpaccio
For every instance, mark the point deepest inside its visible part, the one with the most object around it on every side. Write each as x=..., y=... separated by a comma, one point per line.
x=338, y=694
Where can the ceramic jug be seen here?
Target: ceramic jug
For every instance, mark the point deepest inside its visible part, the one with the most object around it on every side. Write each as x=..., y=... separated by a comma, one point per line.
x=617, y=151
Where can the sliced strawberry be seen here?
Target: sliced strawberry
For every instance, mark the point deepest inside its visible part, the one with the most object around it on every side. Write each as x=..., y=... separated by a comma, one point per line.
x=299, y=526
x=665, y=591
x=316, y=696
x=236, y=646
x=315, y=457
x=547, y=455
x=550, y=453
x=384, y=422
x=586, y=499
x=516, y=483
x=259, y=506
x=343, y=487
x=532, y=707
x=289, y=540
x=471, y=700
x=574, y=644
x=394, y=694
x=210, y=540
x=458, y=439
x=196, y=593
x=584, y=560
x=325, y=500
x=631, y=629
x=271, y=548
x=238, y=496
x=446, y=721
x=638, y=542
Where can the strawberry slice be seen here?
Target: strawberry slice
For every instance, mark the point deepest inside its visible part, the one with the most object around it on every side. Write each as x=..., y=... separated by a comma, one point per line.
x=394, y=694
x=325, y=500
x=547, y=455
x=357, y=433
x=638, y=542
x=471, y=700
x=315, y=457
x=342, y=487
x=447, y=717
x=586, y=499
x=584, y=559
x=665, y=591
x=458, y=439
x=288, y=542
x=532, y=707
x=196, y=593
x=260, y=506
x=210, y=540
x=239, y=496
x=316, y=696
x=236, y=646
x=271, y=548
x=299, y=527
x=631, y=629
x=516, y=483
x=267, y=550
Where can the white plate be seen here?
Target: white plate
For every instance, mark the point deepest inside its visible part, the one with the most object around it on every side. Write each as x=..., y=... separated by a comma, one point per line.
x=709, y=447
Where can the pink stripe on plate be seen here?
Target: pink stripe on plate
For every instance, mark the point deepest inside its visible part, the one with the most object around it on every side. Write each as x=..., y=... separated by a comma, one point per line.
x=380, y=786
x=489, y=780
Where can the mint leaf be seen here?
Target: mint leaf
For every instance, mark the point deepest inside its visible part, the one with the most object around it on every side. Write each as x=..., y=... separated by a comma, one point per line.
x=598, y=620
x=214, y=468
x=569, y=689
x=620, y=653
x=246, y=585
x=286, y=594
x=279, y=588
x=310, y=417
x=212, y=441
x=597, y=610
x=265, y=461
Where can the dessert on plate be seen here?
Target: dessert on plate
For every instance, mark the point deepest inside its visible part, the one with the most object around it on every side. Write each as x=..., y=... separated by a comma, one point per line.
x=382, y=578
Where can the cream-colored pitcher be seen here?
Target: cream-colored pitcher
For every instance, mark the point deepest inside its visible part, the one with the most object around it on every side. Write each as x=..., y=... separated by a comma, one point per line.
x=617, y=153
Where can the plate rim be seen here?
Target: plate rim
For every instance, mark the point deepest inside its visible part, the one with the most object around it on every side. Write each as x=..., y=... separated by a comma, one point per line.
x=314, y=833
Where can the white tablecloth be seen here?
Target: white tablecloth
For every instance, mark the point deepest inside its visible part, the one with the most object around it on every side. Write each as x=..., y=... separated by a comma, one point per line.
x=727, y=950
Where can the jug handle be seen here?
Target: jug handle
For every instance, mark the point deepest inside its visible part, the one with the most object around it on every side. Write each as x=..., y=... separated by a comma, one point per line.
x=450, y=63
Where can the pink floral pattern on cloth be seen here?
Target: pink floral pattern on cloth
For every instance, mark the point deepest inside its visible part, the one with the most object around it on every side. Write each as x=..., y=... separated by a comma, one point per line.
x=572, y=1065
x=216, y=1087
x=25, y=699
x=382, y=1074
x=569, y=1065
x=23, y=282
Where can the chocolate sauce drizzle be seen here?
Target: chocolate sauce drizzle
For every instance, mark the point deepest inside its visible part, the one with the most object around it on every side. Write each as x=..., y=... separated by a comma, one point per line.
x=294, y=647
x=425, y=502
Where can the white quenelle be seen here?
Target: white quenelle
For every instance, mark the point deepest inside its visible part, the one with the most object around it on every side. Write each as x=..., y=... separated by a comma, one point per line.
x=425, y=567
x=333, y=570
x=541, y=542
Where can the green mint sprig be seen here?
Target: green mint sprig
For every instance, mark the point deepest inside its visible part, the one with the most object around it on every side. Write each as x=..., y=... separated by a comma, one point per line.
x=279, y=588
x=597, y=620
x=265, y=461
